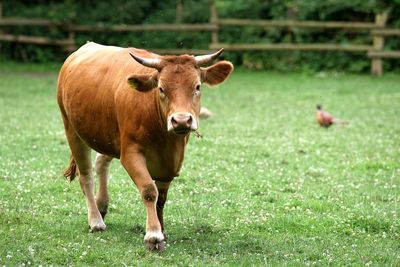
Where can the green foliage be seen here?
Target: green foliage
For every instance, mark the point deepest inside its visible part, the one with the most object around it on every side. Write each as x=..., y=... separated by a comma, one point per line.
x=331, y=10
x=197, y=11
x=265, y=186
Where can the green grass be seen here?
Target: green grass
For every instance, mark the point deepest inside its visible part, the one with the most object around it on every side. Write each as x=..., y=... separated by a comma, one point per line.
x=264, y=186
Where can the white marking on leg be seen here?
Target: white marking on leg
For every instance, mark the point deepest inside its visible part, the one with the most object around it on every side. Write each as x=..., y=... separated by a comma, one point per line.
x=152, y=236
x=95, y=221
x=97, y=224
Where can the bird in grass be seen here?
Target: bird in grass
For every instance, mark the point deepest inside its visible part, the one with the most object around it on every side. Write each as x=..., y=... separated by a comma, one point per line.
x=325, y=119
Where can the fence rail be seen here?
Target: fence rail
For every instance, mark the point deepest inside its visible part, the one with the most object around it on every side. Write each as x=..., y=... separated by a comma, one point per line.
x=386, y=32
x=375, y=50
x=142, y=28
x=292, y=47
x=384, y=54
x=29, y=22
x=299, y=24
x=34, y=40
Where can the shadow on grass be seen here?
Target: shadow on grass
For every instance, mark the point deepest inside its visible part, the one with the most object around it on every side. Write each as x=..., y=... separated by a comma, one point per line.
x=194, y=240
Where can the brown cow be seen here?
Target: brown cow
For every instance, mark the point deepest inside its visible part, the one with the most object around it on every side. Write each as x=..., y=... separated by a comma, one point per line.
x=140, y=110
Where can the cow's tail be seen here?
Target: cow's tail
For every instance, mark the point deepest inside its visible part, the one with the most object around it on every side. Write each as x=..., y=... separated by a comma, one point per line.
x=71, y=171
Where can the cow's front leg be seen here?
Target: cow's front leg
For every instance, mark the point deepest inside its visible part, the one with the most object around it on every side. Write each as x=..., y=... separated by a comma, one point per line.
x=162, y=188
x=135, y=164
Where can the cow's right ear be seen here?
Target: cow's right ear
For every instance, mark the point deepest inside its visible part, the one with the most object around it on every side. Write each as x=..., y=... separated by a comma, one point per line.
x=143, y=82
x=216, y=73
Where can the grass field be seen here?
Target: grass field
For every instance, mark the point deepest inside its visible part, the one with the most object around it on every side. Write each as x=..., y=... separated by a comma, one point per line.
x=264, y=186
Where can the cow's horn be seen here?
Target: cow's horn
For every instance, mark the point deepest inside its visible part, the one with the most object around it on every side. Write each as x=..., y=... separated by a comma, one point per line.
x=201, y=60
x=148, y=62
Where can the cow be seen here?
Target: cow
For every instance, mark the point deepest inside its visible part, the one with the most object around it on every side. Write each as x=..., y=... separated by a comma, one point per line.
x=138, y=107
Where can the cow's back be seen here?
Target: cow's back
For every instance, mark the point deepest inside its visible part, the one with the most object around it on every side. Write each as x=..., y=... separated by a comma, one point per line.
x=87, y=85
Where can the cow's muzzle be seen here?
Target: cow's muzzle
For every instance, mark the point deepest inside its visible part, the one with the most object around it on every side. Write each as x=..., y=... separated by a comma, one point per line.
x=182, y=123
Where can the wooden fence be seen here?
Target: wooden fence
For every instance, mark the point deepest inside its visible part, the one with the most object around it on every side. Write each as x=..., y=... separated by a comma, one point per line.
x=375, y=50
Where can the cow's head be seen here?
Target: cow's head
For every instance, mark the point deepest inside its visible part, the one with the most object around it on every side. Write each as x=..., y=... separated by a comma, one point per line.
x=178, y=82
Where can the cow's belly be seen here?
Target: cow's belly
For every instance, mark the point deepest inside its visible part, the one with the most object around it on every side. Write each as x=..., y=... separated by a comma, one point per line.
x=107, y=147
x=96, y=129
x=100, y=141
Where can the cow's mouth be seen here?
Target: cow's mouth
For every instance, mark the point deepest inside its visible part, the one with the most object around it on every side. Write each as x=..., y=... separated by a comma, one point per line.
x=182, y=131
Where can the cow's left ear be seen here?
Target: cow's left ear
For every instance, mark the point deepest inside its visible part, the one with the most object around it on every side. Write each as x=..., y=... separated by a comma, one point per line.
x=216, y=73
x=143, y=82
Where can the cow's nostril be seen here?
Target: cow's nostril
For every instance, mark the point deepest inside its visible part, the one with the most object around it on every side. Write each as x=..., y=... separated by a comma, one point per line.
x=189, y=121
x=174, y=122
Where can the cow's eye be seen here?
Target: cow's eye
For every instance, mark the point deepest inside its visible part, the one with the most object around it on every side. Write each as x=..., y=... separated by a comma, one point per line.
x=197, y=90
x=162, y=92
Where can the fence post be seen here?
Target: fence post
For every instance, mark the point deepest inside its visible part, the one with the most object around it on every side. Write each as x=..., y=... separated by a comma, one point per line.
x=71, y=34
x=214, y=20
x=71, y=38
x=179, y=11
x=1, y=12
x=378, y=45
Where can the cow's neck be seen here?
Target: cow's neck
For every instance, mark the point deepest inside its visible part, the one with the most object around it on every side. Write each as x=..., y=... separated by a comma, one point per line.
x=170, y=146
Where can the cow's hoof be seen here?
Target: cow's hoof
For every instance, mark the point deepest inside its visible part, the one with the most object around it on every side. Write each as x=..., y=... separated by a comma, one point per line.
x=97, y=226
x=158, y=246
x=154, y=241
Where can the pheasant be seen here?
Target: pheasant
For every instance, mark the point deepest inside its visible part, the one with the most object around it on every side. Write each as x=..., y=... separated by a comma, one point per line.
x=325, y=119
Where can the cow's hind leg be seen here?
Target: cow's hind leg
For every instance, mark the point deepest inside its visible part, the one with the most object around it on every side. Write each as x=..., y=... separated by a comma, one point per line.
x=162, y=188
x=81, y=154
x=102, y=166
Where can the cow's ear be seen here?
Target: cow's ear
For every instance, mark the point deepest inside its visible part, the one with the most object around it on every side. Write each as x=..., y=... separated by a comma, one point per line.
x=143, y=82
x=216, y=73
